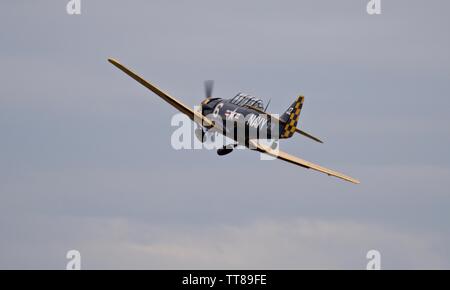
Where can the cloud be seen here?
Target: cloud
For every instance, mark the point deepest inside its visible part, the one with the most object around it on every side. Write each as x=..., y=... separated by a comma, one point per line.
x=299, y=243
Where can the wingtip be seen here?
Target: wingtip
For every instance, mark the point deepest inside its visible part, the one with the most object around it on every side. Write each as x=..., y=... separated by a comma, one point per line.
x=117, y=64
x=355, y=181
x=113, y=61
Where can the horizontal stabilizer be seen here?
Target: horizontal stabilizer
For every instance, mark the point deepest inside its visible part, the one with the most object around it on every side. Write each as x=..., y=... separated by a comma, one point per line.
x=308, y=135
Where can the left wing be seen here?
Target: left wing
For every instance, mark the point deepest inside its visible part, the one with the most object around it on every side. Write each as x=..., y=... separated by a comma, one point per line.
x=193, y=115
x=295, y=160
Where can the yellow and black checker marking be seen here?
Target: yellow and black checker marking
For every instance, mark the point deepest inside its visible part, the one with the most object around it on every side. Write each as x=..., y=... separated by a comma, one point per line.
x=291, y=123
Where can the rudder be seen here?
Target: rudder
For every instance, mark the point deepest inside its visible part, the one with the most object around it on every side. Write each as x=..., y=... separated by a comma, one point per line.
x=290, y=118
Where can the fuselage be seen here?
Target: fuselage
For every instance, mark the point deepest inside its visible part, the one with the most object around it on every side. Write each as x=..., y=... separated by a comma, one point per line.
x=241, y=122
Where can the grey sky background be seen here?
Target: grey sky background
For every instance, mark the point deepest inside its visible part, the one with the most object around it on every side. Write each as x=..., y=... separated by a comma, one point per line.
x=85, y=155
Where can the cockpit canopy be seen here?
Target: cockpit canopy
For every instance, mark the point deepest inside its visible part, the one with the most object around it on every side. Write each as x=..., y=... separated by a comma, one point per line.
x=247, y=100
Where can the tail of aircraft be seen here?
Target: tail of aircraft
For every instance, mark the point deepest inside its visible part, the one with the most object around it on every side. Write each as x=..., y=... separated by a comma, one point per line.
x=289, y=119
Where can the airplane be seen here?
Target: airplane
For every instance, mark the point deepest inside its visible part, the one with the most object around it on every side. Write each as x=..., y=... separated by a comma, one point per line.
x=249, y=114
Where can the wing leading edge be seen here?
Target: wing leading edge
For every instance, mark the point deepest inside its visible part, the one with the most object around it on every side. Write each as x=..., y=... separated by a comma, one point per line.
x=193, y=115
x=295, y=160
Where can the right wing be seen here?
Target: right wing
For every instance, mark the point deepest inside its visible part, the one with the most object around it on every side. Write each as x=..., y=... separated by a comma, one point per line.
x=193, y=115
x=295, y=160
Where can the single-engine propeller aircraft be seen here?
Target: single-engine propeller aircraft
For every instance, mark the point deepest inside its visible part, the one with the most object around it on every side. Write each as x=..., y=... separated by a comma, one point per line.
x=245, y=112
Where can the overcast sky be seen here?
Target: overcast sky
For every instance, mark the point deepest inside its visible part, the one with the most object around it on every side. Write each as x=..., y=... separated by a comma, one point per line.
x=86, y=161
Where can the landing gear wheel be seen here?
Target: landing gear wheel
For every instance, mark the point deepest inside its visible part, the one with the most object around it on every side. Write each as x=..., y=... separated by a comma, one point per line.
x=224, y=151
